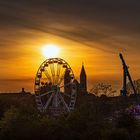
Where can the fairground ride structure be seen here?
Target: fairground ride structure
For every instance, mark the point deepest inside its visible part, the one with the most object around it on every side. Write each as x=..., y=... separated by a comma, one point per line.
x=55, y=89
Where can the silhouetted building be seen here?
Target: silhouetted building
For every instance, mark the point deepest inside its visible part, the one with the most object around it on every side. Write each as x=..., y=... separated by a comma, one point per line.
x=77, y=85
x=80, y=87
x=67, y=79
x=83, y=80
x=24, y=92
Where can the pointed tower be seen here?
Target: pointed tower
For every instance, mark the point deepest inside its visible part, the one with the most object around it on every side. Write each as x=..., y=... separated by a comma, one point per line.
x=83, y=80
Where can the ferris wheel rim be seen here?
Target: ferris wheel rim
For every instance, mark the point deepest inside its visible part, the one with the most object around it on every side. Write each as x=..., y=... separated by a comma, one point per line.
x=72, y=97
x=51, y=59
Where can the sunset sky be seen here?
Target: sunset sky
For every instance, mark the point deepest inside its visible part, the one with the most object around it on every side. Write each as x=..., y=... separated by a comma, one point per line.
x=89, y=31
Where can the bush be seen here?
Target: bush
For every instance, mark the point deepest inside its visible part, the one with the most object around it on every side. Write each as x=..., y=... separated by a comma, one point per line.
x=119, y=134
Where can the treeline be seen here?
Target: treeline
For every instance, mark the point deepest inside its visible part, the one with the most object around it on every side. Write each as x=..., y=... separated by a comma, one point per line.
x=93, y=119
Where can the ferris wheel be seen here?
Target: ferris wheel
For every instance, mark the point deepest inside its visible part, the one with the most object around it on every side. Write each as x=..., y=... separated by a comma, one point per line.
x=55, y=87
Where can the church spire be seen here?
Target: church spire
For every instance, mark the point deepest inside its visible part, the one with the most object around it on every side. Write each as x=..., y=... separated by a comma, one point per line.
x=83, y=72
x=83, y=79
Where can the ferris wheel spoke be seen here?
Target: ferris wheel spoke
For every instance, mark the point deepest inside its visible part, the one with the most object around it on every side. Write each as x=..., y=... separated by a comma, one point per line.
x=64, y=103
x=61, y=78
x=58, y=72
x=52, y=72
x=46, y=93
x=47, y=75
x=48, y=102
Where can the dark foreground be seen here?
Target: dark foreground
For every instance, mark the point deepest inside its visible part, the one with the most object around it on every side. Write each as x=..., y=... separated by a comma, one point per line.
x=94, y=119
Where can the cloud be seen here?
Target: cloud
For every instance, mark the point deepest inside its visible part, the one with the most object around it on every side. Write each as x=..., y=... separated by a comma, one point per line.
x=114, y=25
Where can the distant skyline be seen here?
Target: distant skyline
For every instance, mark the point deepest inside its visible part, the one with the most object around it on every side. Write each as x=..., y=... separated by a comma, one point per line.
x=89, y=31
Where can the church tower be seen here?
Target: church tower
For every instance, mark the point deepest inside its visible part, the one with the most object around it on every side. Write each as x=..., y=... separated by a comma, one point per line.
x=83, y=80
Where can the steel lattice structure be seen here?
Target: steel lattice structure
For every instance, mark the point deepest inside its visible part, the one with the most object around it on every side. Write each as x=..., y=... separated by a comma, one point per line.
x=126, y=75
x=55, y=89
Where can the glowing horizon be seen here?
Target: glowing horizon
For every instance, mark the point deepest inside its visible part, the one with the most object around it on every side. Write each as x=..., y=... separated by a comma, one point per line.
x=99, y=65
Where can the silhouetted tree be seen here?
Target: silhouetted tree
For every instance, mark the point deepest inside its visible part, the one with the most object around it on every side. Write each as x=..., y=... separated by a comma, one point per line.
x=103, y=89
x=137, y=87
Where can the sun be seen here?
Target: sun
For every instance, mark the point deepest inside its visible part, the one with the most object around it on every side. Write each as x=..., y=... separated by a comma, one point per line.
x=50, y=50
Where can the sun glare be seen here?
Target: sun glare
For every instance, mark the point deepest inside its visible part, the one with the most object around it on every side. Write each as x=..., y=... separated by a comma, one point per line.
x=50, y=50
